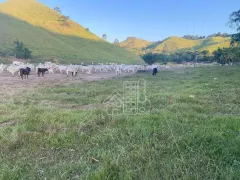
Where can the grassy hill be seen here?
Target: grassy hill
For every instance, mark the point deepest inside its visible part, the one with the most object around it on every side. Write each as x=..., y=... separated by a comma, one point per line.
x=135, y=44
x=41, y=31
x=40, y=15
x=214, y=43
x=174, y=43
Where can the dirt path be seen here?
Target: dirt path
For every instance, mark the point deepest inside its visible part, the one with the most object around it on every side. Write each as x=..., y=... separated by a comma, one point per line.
x=9, y=84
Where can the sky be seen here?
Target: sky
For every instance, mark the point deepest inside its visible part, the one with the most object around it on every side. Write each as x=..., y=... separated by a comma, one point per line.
x=151, y=20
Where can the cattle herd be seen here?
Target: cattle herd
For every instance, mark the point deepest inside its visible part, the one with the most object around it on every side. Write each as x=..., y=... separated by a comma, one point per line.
x=25, y=69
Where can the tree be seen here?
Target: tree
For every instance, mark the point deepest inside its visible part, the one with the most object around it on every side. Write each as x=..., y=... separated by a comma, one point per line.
x=18, y=48
x=205, y=52
x=26, y=53
x=116, y=41
x=226, y=55
x=149, y=58
x=64, y=19
x=234, y=22
x=235, y=39
x=104, y=37
x=21, y=51
x=87, y=29
x=186, y=57
x=57, y=9
x=218, y=54
x=204, y=56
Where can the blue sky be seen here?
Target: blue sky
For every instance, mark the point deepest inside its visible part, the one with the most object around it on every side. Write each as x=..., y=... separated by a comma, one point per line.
x=149, y=19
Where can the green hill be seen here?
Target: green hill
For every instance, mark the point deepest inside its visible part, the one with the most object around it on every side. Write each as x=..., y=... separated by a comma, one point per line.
x=41, y=31
x=135, y=44
x=213, y=43
x=174, y=43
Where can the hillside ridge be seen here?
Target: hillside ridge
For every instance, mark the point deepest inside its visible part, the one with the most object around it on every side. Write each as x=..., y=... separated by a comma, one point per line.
x=37, y=26
x=37, y=14
x=175, y=43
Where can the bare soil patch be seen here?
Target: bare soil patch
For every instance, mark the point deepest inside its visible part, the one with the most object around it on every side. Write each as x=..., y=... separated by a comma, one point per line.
x=13, y=85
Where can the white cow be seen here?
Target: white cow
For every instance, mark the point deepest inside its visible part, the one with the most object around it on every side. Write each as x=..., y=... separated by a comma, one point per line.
x=88, y=69
x=2, y=67
x=62, y=68
x=17, y=63
x=72, y=69
x=13, y=69
x=118, y=70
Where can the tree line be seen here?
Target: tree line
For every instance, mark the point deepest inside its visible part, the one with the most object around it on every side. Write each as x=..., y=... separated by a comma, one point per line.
x=196, y=37
x=63, y=19
x=221, y=55
x=19, y=51
x=177, y=57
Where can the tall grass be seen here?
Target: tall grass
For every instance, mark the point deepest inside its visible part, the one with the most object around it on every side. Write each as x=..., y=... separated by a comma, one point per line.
x=191, y=132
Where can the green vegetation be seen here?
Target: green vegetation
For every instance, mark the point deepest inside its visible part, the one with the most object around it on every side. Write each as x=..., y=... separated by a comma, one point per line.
x=227, y=55
x=63, y=132
x=196, y=37
x=4, y=60
x=20, y=51
x=179, y=57
x=42, y=31
x=222, y=56
x=231, y=54
x=234, y=22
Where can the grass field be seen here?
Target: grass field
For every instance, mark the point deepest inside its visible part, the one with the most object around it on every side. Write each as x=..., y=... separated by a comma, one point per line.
x=63, y=132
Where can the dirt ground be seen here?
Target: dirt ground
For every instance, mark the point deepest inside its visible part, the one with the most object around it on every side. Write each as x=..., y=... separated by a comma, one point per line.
x=9, y=84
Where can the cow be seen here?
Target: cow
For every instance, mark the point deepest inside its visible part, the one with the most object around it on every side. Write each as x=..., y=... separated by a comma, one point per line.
x=154, y=71
x=41, y=71
x=72, y=69
x=2, y=68
x=13, y=69
x=25, y=72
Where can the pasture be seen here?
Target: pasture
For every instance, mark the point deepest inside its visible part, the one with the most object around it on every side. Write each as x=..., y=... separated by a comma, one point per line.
x=57, y=128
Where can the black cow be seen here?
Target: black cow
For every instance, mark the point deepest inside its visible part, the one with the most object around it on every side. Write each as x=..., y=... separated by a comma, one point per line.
x=25, y=72
x=41, y=71
x=154, y=71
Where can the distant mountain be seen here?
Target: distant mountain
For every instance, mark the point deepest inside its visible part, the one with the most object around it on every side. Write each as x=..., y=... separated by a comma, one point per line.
x=135, y=44
x=49, y=34
x=174, y=43
x=213, y=43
